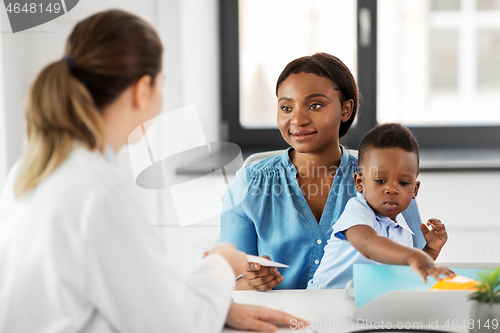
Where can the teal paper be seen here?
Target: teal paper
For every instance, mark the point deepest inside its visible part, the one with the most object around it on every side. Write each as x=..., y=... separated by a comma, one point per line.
x=373, y=281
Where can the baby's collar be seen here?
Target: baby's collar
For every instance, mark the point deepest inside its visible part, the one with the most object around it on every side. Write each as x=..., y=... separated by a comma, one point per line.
x=400, y=220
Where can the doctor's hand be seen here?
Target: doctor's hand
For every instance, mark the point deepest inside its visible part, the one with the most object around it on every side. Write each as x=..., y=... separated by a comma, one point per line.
x=261, y=278
x=258, y=318
x=237, y=259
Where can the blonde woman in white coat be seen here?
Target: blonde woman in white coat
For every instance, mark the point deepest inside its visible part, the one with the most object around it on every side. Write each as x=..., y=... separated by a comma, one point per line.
x=76, y=252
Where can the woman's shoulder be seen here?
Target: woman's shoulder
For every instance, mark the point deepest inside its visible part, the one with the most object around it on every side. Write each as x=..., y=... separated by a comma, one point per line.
x=351, y=157
x=82, y=169
x=251, y=176
x=89, y=172
x=84, y=182
x=93, y=162
x=267, y=166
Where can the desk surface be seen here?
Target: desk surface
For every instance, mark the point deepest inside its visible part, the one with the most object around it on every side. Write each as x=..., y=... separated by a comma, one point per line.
x=326, y=310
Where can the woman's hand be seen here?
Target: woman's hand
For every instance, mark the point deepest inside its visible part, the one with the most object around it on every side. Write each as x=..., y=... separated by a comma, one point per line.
x=237, y=259
x=436, y=237
x=424, y=266
x=262, y=278
x=258, y=318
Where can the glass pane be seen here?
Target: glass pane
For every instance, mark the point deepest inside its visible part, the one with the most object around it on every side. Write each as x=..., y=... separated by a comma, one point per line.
x=403, y=60
x=437, y=68
x=445, y=4
x=488, y=4
x=443, y=61
x=273, y=33
x=488, y=61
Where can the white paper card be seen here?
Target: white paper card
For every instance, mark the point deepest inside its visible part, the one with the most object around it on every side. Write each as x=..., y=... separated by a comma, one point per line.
x=264, y=262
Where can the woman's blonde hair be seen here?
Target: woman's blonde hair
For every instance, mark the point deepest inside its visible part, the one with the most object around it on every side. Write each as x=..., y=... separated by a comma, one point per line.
x=105, y=54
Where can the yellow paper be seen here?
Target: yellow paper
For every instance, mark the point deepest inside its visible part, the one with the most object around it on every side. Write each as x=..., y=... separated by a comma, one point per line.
x=456, y=282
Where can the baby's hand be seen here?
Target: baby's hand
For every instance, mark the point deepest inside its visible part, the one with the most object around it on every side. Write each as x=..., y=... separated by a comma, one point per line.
x=436, y=236
x=424, y=266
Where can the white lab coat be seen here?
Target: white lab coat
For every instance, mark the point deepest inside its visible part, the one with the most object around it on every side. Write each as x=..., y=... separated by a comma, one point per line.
x=77, y=255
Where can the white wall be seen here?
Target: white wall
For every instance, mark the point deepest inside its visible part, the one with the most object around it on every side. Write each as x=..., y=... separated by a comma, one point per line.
x=466, y=202
x=189, y=32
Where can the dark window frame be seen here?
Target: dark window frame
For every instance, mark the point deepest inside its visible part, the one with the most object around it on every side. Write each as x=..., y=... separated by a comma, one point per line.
x=430, y=138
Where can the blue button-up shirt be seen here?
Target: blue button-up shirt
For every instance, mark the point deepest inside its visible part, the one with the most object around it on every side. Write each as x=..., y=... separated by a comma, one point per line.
x=340, y=256
x=266, y=213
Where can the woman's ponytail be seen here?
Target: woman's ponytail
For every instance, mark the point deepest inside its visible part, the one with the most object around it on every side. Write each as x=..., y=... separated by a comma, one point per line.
x=105, y=54
x=59, y=109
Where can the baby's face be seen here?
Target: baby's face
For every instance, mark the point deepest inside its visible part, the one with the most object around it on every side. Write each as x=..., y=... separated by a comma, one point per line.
x=388, y=180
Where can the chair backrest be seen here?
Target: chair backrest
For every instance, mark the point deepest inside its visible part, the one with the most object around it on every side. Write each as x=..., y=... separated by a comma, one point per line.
x=260, y=156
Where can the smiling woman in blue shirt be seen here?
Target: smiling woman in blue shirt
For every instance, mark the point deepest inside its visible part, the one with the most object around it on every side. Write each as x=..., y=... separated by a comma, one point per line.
x=284, y=207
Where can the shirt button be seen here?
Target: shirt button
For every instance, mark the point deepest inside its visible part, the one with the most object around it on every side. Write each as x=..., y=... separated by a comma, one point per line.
x=316, y=261
x=318, y=241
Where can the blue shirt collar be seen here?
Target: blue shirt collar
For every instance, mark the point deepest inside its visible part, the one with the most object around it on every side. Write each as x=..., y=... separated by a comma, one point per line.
x=400, y=220
x=287, y=163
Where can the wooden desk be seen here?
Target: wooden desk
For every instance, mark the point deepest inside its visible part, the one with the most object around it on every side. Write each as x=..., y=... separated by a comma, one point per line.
x=326, y=310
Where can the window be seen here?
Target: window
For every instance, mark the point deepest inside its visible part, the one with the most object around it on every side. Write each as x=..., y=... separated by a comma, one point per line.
x=433, y=65
x=439, y=62
x=258, y=39
x=273, y=33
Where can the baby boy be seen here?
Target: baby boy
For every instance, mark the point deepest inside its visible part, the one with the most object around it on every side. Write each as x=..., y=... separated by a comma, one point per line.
x=372, y=229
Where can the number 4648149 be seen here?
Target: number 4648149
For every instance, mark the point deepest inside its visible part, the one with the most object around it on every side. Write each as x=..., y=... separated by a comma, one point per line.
x=33, y=8
x=472, y=324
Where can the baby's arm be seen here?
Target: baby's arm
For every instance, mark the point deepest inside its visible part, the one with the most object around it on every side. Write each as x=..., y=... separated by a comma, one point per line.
x=436, y=237
x=366, y=240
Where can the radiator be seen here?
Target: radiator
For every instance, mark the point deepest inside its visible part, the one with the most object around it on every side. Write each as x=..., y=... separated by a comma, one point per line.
x=481, y=245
